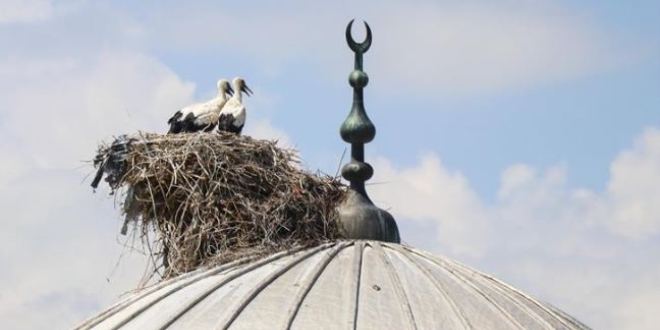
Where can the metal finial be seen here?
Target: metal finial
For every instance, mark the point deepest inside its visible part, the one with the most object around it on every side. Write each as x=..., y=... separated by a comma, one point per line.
x=360, y=48
x=360, y=218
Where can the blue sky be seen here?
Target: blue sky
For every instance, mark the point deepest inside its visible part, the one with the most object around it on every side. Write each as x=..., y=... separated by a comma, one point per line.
x=521, y=137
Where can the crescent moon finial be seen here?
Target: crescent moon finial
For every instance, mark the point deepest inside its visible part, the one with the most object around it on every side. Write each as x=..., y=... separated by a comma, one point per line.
x=358, y=47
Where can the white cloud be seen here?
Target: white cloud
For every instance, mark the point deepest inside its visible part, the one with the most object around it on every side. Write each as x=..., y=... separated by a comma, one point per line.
x=263, y=129
x=430, y=193
x=572, y=246
x=634, y=188
x=638, y=307
x=57, y=238
x=14, y=163
x=79, y=104
x=528, y=199
x=513, y=178
x=25, y=11
x=55, y=264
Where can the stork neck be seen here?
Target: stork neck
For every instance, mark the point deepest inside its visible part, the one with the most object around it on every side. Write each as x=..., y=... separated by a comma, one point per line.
x=238, y=95
x=222, y=95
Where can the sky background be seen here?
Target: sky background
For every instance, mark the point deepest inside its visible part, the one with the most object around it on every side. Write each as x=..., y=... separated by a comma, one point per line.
x=521, y=137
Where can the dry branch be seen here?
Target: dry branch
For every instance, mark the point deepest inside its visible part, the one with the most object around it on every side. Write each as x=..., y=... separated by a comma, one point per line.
x=212, y=198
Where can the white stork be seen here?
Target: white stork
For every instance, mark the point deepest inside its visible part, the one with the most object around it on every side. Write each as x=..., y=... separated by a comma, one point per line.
x=201, y=116
x=232, y=116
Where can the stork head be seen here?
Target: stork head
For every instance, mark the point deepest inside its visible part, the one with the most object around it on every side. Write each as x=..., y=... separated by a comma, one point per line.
x=239, y=85
x=225, y=87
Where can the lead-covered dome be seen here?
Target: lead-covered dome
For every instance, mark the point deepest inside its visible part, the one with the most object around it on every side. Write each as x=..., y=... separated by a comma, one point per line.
x=343, y=285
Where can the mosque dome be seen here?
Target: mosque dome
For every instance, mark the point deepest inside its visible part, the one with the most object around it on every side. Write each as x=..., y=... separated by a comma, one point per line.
x=355, y=284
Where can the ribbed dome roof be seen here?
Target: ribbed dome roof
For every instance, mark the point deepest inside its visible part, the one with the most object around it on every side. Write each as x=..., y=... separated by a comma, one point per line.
x=343, y=285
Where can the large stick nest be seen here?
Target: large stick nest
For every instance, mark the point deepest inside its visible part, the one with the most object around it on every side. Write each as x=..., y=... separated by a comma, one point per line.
x=212, y=198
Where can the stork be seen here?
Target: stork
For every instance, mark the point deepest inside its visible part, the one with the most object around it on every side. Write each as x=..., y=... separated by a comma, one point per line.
x=201, y=116
x=232, y=115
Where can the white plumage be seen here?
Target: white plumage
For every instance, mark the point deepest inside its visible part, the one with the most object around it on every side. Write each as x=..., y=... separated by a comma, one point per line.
x=232, y=115
x=201, y=116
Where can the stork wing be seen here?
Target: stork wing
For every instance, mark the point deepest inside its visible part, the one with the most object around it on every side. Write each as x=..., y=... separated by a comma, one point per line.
x=175, y=117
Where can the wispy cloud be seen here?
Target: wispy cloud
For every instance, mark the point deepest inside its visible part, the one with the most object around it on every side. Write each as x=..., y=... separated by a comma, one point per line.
x=450, y=48
x=25, y=11
x=486, y=48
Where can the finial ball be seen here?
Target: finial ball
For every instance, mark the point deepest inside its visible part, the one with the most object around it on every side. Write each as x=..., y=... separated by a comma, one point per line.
x=358, y=79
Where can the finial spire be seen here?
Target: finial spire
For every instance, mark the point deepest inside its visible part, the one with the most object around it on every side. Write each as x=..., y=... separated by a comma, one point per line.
x=360, y=218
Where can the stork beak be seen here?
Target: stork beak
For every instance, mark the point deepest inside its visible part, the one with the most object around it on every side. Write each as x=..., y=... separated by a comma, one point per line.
x=247, y=90
x=230, y=91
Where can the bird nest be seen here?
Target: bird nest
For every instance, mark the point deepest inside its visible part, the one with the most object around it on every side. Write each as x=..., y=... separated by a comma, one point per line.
x=215, y=197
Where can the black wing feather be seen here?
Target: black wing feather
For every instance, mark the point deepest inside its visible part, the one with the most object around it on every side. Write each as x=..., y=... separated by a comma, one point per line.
x=226, y=124
x=175, y=124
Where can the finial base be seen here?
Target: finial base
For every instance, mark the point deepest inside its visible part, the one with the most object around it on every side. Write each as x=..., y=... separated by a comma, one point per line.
x=361, y=219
